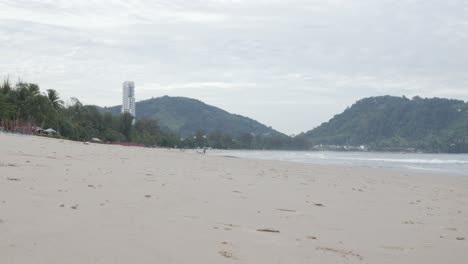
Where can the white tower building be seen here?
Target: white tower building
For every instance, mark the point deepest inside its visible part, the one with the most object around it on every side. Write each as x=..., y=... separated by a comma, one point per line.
x=128, y=103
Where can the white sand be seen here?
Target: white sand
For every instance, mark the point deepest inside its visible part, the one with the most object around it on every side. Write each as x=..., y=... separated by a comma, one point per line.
x=137, y=205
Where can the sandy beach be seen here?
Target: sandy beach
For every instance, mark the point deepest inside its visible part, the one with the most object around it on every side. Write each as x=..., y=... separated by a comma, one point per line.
x=68, y=202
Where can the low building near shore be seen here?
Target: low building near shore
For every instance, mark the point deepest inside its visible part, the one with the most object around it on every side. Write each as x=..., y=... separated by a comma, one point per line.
x=339, y=148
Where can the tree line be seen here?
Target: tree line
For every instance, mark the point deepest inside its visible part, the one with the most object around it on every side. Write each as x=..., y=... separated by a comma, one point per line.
x=383, y=123
x=76, y=121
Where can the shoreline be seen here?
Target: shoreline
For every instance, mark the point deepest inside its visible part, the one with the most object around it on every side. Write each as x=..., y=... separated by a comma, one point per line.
x=428, y=163
x=66, y=202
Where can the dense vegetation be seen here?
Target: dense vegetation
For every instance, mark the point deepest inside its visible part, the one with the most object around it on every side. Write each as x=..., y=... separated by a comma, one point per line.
x=199, y=124
x=187, y=116
x=25, y=102
x=212, y=127
x=384, y=123
x=398, y=123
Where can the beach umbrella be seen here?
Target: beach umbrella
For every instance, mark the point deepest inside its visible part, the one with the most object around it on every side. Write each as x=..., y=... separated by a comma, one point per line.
x=50, y=131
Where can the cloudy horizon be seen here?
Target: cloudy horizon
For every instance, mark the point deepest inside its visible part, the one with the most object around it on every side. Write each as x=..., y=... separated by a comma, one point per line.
x=288, y=64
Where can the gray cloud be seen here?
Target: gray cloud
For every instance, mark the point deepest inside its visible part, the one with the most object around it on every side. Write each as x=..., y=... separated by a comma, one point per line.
x=290, y=64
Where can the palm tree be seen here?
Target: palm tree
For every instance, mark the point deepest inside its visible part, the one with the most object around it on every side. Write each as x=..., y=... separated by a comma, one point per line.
x=25, y=96
x=6, y=109
x=5, y=88
x=54, y=100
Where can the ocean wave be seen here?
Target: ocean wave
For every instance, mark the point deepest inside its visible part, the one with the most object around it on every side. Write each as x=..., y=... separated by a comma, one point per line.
x=415, y=161
x=450, y=163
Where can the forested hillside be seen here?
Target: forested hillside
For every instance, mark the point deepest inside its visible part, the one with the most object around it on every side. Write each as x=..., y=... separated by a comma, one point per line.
x=397, y=123
x=187, y=116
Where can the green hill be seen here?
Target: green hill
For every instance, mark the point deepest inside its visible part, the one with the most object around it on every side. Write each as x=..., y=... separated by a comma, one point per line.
x=397, y=123
x=188, y=116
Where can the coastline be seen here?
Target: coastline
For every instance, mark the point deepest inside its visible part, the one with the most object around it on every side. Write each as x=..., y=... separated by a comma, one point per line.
x=67, y=202
x=447, y=164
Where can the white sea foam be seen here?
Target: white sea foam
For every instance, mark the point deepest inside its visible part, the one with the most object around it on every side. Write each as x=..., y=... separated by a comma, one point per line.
x=418, y=161
x=452, y=163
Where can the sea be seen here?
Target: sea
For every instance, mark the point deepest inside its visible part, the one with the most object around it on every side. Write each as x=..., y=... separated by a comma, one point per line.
x=437, y=163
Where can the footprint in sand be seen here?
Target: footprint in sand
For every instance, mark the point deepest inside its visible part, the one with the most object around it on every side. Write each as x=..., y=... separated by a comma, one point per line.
x=8, y=165
x=343, y=253
x=227, y=254
x=316, y=204
x=228, y=227
x=410, y=222
x=231, y=225
x=286, y=210
x=227, y=251
x=397, y=248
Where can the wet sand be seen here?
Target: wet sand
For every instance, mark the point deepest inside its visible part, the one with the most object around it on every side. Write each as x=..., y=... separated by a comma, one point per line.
x=67, y=202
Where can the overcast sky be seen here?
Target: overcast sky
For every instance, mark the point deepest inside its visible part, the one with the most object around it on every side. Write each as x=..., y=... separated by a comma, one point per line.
x=289, y=64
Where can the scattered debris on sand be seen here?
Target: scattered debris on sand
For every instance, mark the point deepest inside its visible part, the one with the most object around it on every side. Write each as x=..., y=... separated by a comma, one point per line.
x=8, y=165
x=269, y=230
x=13, y=179
x=343, y=253
x=286, y=210
x=231, y=225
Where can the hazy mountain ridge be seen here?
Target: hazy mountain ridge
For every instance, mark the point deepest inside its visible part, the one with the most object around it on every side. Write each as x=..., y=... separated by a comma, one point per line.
x=187, y=116
x=397, y=123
